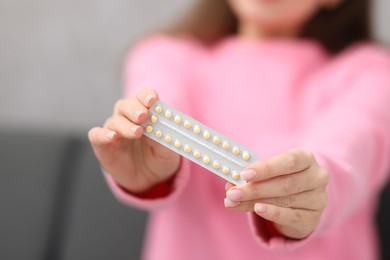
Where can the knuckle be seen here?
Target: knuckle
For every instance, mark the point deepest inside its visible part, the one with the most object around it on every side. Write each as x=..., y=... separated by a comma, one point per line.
x=118, y=104
x=287, y=185
x=323, y=176
x=292, y=159
x=285, y=201
x=296, y=217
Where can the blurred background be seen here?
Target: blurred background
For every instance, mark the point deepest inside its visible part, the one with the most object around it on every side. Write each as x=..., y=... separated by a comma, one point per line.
x=60, y=74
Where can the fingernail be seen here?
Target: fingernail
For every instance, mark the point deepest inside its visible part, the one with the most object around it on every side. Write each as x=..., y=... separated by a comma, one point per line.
x=138, y=114
x=148, y=99
x=234, y=194
x=109, y=134
x=231, y=204
x=228, y=186
x=134, y=129
x=248, y=174
x=261, y=208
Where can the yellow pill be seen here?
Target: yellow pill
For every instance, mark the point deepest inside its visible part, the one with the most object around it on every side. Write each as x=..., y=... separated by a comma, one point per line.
x=177, y=119
x=197, y=154
x=206, y=159
x=225, y=170
x=196, y=129
x=168, y=114
x=158, y=109
x=225, y=145
x=168, y=138
x=153, y=119
x=187, y=148
x=177, y=144
x=206, y=135
x=236, y=176
x=187, y=124
x=216, y=165
x=245, y=156
x=149, y=129
x=235, y=150
x=158, y=133
x=216, y=140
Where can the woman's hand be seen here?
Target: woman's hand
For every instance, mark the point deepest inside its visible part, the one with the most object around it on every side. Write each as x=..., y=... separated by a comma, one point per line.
x=134, y=161
x=288, y=190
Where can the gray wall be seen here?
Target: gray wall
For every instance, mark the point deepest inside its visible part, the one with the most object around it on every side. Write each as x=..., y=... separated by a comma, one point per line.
x=60, y=61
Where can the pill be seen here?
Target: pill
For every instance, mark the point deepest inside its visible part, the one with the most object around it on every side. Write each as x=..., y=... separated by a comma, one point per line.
x=187, y=148
x=225, y=145
x=168, y=114
x=177, y=119
x=177, y=144
x=158, y=133
x=235, y=175
x=168, y=138
x=187, y=124
x=206, y=135
x=153, y=119
x=149, y=129
x=197, y=154
x=216, y=165
x=196, y=129
x=216, y=140
x=225, y=170
x=245, y=156
x=235, y=150
x=206, y=159
x=158, y=109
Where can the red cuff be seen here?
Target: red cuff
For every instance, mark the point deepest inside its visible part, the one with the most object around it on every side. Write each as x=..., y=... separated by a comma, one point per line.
x=158, y=191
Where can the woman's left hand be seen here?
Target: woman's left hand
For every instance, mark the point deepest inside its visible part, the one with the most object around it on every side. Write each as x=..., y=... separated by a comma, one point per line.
x=288, y=190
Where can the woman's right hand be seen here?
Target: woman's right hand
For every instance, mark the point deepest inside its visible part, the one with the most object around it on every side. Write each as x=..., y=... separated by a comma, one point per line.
x=134, y=161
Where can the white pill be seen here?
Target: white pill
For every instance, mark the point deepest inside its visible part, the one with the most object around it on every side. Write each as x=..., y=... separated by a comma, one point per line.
x=216, y=165
x=225, y=170
x=177, y=144
x=153, y=119
x=216, y=140
x=168, y=138
x=245, y=156
x=187, y=148
x=158, y=133
x=149, y=129
x=197, y=154
x=187, y=124
x=177, y=119
x=225, y=145
x=235, y=150
x=206, y=159
x=206, y=135
x=196, y=129
x=236, y=176
x=168, y=114
x=158, y=109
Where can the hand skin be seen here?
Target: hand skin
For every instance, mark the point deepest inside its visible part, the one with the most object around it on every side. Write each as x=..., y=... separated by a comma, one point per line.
x=134, y=161
x=287, y=189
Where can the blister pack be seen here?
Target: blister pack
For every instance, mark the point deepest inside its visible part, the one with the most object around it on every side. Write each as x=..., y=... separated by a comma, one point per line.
x=198, y=142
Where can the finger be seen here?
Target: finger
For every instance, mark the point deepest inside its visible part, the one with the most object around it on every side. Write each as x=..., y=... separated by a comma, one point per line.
x=123, y=127
x=288, y=218
x=147, y=96
x=132, y=109
x=276, y=187
x=294, y=160
x=305, y=200
x=99, y=136
x=229, y=185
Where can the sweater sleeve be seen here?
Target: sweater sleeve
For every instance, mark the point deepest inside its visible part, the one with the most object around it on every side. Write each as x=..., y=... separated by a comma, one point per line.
x=161, y=63
x=350, y=137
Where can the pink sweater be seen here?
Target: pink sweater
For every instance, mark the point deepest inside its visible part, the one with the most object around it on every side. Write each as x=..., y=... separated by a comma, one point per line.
x=270, y=96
